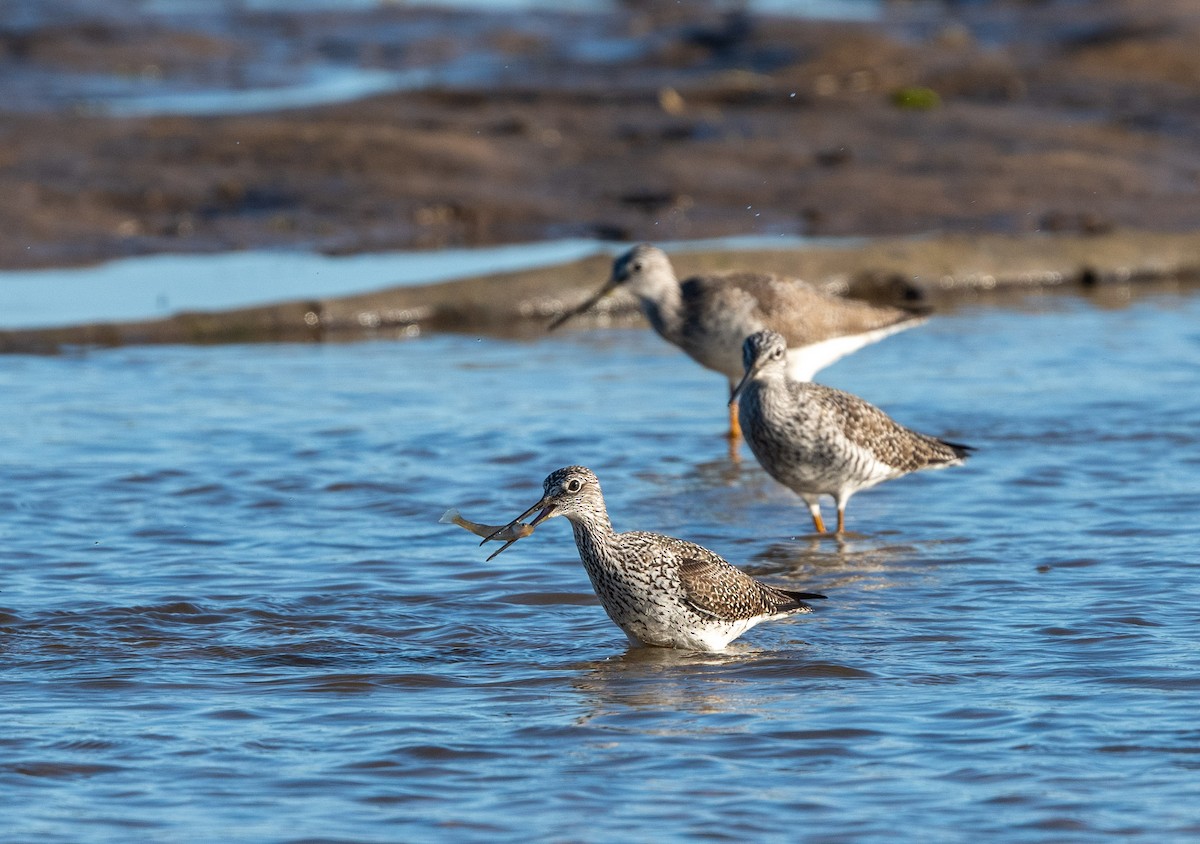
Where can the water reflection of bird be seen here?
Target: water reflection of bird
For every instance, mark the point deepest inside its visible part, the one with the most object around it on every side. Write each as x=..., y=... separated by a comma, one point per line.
x=708, y=316
x=817, y=441
x=677, y=682
x=660, y=590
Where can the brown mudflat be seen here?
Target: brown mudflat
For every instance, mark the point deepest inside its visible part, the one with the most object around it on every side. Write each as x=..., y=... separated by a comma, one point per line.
x=1015, y=118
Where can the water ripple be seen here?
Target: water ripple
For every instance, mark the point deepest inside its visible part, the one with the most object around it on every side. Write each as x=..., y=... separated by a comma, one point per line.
x=239, y=618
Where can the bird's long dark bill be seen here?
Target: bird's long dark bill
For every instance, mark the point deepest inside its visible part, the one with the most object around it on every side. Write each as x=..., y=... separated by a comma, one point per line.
x=541, y=517
x=503, y=547
x=737, y=391
x=578, y=309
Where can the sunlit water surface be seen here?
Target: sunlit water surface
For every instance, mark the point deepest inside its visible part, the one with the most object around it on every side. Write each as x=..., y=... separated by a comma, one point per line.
x=228, y=611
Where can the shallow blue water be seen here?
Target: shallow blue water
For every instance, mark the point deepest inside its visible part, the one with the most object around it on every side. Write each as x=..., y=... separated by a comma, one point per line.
x=228, y=612
x=157, y=286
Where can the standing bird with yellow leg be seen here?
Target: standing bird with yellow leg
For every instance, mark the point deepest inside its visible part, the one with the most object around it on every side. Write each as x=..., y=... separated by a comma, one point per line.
x=708, y=316
x=817, y=441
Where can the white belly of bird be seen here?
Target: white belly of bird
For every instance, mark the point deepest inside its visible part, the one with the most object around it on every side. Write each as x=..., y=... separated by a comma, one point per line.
x=678, y=633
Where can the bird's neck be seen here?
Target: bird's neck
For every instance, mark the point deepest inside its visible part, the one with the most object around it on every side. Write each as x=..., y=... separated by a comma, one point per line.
x=662, y=304
x=773, y=377
x=763, y=389
x=591, y=529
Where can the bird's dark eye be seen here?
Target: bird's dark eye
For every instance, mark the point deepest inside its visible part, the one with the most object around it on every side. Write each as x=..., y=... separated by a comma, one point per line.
x=637, y=266
x=777, y=353
x=573, y=485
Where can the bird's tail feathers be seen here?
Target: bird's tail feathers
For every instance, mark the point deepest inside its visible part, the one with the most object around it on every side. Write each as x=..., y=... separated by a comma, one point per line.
x=798, y=600
x=961, y=451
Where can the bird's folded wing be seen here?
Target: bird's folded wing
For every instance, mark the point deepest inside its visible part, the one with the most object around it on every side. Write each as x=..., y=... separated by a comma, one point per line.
x=716, y=589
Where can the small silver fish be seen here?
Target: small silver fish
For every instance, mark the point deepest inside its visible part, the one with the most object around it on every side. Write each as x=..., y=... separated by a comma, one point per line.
x=508, y=534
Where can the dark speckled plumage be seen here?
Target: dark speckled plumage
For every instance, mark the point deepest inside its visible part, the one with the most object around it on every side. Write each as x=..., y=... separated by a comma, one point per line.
x=660, y=590
x=820, y=441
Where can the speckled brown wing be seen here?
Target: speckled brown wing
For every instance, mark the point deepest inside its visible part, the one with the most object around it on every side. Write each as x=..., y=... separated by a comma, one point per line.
x=870, y=428
x=804, y=314
x=716, y=589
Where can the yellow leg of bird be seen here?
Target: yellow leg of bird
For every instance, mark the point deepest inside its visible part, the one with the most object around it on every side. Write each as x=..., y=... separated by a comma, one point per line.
x=841, y=520
x=818, y=522
x=735, y=427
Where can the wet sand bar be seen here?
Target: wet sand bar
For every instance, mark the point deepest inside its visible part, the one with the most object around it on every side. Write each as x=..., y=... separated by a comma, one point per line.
x=935, y=270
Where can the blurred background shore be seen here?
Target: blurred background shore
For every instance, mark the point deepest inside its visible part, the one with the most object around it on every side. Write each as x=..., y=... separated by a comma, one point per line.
x=893, y=151
x=145, y=126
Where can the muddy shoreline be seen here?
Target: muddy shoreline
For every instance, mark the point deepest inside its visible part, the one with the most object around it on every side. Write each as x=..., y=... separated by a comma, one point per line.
x=1006, y=117
x=1063, y=127
x=941, y=272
